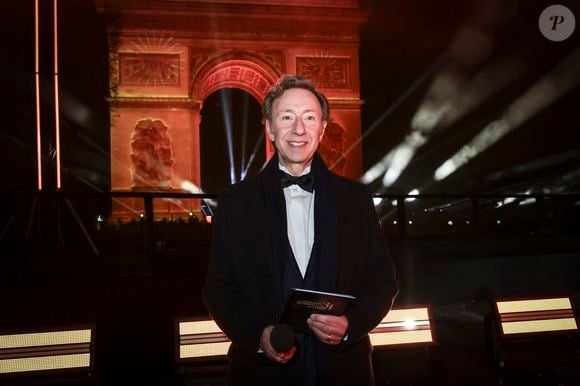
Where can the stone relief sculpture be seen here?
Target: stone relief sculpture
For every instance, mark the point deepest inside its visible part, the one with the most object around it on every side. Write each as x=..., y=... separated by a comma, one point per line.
x=151, y=154
x=332, y=147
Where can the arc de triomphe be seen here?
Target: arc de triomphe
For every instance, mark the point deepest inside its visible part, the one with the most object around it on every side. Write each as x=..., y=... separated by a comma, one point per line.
x=166, y=57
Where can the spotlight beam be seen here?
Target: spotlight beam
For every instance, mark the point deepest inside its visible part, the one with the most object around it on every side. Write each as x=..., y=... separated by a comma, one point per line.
x=228, y=129
x=414, y=86
x=563, y=77
x=254, y=153
x=244, y=136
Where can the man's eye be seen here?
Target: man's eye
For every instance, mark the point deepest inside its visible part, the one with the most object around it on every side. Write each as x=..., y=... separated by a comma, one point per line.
x=286, y=117
x=310, y=118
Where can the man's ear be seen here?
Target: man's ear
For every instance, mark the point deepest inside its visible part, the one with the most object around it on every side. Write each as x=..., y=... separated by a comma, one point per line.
x=269, y=130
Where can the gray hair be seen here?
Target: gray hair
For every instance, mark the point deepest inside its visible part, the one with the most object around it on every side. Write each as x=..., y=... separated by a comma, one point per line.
x=287, y=82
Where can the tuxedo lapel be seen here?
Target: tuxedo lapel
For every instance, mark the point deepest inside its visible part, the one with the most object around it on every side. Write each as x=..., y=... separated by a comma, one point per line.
x=325, y=226
x=275, y=213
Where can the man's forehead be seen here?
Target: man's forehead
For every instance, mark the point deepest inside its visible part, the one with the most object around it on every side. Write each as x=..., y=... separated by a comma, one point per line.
x=297, y=99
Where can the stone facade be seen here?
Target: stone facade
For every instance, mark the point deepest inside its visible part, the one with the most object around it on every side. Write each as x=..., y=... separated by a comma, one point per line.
x=167, y=57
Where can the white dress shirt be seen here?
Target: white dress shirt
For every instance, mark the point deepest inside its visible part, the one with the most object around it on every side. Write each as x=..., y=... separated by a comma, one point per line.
x=300, y=220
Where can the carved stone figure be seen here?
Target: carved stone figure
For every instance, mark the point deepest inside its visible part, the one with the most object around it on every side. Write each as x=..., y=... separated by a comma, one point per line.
x=151, y=154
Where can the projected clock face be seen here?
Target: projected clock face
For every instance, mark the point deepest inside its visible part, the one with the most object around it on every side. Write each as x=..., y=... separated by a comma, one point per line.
x=325, y=71
x=151, y=60
x=149, y=69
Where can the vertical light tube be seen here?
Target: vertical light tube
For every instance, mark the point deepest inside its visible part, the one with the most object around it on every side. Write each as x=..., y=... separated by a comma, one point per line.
x=56, y=99
x=37, y=85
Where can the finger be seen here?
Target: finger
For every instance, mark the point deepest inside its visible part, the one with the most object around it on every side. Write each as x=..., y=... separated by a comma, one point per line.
x=323, y=335
x=273, y=354
x=320, y=318
x=323, y=330
x=330, y=324
x=288, y=354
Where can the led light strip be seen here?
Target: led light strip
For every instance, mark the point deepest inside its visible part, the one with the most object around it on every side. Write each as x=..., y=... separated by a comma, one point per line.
x=536, y=315
x=402, y=327
x=37, y=87
x=203, y=338
x=45, y=351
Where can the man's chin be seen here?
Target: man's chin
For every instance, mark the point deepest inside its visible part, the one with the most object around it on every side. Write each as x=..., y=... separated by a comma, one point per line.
x=304, y=161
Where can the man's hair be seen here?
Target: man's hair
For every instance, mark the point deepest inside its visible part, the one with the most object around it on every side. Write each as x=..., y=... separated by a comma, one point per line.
x=287, y=82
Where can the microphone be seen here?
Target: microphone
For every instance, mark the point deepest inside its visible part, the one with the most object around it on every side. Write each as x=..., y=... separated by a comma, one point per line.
x=282, y=337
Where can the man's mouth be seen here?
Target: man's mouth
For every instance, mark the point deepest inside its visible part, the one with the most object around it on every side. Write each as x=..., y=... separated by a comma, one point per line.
x=296, y=144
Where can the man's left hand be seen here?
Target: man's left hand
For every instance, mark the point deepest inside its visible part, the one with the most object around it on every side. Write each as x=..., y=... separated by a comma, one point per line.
x=329, y=329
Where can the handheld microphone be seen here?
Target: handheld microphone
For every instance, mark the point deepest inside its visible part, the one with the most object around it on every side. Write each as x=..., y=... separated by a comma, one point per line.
x=282, y=337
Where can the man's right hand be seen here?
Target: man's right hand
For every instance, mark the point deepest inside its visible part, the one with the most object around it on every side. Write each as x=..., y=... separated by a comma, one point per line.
x=266, y=346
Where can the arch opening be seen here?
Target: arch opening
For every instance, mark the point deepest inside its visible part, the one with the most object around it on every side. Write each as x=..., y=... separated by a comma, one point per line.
x=232, y=145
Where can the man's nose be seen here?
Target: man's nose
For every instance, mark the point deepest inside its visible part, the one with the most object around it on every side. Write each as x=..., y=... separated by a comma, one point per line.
x=299, y=127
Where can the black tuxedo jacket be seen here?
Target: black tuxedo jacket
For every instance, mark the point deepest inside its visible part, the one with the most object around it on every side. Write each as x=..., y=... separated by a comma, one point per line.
x=243, y=286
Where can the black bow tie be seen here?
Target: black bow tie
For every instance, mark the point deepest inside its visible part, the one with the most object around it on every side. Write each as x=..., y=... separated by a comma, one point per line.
x=306, y=181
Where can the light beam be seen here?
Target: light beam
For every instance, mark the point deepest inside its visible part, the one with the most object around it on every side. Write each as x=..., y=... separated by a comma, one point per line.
x=563, y=77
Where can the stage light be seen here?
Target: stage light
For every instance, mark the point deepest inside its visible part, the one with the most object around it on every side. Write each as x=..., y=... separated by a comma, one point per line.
x=100, y=221
x=404, y=326
x=377, y=200
x=563, y=77
x=190, y=214
x=527, y=201
x=201, y=339
x=400, y=157
x=450, y=223
x=56, y=351
x=450, y=97
x=410, y=222
x=407, y=148
x=414, y=192
x=37, y=96
x=394, y=222
x=533, y=333
x=535, y=315
x=141, y=215
x=56, y=97
x=498, y=222
x=508, y=200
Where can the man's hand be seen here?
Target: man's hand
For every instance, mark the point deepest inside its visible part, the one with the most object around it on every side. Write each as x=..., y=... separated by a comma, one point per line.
x=279, y=357
x=329, y=329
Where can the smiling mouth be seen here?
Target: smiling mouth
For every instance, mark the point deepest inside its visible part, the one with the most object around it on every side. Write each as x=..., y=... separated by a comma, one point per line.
x=296, y=144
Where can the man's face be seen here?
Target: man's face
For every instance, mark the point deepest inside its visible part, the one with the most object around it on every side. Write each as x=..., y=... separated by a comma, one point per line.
x=296, y=128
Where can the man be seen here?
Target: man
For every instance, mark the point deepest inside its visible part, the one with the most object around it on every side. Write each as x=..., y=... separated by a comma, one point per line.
x=273, y=233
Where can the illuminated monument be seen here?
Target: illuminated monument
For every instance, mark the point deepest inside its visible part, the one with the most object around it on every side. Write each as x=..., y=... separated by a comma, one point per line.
x=167, y=57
